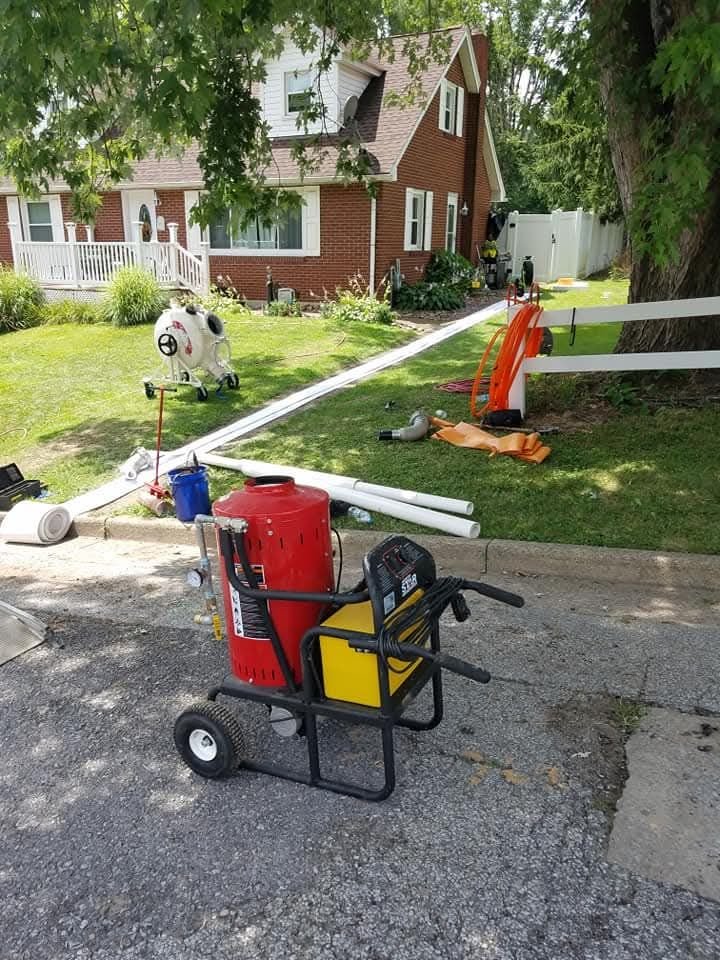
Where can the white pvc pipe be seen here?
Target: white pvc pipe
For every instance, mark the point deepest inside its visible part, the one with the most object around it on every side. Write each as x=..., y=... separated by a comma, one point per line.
x=256, y=468
x=457, y=526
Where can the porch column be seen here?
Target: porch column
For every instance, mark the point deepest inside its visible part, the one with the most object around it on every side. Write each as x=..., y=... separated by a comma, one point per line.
x=137, y=230
x=73, y=266
x=90, y=231
x=205, y=256
x=173, y=258
x=15, y=238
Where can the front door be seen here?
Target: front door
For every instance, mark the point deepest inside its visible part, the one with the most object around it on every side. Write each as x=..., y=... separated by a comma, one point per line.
x=139, y=206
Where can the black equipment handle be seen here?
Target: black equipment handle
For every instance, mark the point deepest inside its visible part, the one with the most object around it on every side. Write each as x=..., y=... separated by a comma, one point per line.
x=410, y=651
x=495, y=593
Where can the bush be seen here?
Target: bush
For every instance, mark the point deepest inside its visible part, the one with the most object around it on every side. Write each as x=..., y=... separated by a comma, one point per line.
x=280, y=308
x=446, y=267
x=358, y=306
x=20, y=301
x=133, y=297
x=59, y=312
x=432, y=296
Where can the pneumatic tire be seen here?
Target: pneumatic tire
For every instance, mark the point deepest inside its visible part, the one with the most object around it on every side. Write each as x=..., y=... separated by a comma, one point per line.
x=209, y=739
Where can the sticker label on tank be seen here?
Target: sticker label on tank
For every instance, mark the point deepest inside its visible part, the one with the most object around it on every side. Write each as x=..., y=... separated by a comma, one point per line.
x=248, y=620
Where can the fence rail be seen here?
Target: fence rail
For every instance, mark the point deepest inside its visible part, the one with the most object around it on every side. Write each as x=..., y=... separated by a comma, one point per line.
x=77, y=264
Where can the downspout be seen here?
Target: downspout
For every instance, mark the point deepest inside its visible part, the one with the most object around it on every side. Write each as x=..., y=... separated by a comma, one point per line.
x=373, y=232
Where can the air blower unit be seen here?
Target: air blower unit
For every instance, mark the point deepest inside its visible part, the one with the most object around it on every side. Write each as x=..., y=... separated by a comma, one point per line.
x=190, y=339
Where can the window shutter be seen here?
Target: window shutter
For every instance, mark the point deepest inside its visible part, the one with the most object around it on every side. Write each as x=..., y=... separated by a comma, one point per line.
x=311, y=221
x=408, y=218
x=427, y=245
x=194, y=233
x=443, y=92
x=56, y=218
x=459, y=111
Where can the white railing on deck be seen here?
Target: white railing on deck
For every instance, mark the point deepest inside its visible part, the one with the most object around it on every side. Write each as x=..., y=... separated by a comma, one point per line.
x=93, y=264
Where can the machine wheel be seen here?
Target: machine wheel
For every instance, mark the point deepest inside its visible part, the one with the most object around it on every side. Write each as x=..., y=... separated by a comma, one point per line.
x=233, y=381
x=184, y=376
x=208, y=738
x=202, y=393
x=149, y=390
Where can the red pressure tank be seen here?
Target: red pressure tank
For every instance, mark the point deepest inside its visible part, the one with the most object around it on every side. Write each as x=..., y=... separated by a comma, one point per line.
x=289, y=548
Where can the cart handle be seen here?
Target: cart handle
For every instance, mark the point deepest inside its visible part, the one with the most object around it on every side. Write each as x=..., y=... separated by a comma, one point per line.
x=495, y=593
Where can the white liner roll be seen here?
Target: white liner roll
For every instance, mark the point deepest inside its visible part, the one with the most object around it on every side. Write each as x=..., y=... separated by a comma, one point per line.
x=33, y=522
x=458, y=526
x=256, y=468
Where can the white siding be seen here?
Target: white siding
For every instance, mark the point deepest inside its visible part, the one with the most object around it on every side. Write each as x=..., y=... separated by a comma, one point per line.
x=351, y=83
x=291, y=59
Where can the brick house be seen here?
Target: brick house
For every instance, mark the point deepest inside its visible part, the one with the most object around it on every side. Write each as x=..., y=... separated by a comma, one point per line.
x=434, y=164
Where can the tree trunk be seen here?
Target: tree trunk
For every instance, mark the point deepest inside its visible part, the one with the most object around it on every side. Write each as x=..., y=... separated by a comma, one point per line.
x=630, y=41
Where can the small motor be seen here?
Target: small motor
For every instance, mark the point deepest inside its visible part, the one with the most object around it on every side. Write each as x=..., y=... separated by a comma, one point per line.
x=191, y=339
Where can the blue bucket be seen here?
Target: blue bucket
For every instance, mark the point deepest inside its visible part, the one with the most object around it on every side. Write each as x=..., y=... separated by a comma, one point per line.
x=190, y=491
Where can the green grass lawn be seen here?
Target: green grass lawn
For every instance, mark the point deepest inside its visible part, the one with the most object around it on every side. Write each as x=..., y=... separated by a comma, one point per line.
x=73, y=405
x=638, y=480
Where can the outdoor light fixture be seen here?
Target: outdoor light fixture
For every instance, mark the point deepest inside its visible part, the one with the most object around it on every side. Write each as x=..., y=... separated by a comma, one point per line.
x=464, y=209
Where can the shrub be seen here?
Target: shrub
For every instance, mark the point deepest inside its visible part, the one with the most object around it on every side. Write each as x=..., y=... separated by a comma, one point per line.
x=59, y=312
x=20, y=301
x=280, y=308
x=133, y=297
x=431, y=296
x=358, y=306
x=446, y=267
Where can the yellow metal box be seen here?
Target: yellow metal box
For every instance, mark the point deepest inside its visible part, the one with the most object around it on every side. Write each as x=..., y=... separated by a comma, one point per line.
x=352, y=675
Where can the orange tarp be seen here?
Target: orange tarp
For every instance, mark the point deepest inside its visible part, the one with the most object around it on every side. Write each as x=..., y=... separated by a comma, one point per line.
x=522, y=446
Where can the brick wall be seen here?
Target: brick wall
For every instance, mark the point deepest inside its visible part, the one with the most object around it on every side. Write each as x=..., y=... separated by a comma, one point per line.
x=344, y=251
x=443, y=163
x=171, y=206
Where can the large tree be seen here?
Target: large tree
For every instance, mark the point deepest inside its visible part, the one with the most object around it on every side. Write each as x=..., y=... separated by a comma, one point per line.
x=660, y=76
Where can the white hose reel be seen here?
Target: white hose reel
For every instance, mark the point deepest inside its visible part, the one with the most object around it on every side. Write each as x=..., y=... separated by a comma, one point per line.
x=190, y=339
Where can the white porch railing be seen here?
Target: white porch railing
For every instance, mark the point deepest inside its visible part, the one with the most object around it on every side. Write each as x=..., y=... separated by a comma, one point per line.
x=76, y=264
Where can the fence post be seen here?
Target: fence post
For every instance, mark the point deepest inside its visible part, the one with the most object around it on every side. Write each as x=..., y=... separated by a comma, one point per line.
x=516, y=393
x=72, y=251
x=205, y=277
x=90, y=231
x=578, y=241
x=173, y=234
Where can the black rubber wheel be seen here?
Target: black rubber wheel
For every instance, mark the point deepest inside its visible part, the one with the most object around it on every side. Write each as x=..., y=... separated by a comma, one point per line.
x=209, y=739
x=233, y=381
x=149, y=390
x=184, y=376
x=202, y=393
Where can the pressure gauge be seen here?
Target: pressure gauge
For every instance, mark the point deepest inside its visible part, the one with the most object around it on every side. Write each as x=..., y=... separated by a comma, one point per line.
x=195, y=578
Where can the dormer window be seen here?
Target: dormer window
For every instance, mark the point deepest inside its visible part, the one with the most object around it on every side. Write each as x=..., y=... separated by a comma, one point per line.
x=451, y=108
x=298, y=90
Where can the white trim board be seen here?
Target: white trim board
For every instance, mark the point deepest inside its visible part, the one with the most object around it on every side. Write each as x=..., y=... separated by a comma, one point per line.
x=116, y=489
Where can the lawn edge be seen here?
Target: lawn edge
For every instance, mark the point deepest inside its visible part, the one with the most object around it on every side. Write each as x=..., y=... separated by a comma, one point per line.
x=472, y=558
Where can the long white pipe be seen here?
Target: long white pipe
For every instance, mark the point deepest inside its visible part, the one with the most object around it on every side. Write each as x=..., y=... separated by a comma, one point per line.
x=457, y=526
x=256, y=468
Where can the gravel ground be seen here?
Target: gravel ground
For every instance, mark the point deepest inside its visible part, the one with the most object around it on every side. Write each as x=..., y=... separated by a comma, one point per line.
x=493, y=845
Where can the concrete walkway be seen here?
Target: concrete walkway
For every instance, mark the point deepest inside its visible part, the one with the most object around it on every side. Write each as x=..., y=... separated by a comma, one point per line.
x=494, y=845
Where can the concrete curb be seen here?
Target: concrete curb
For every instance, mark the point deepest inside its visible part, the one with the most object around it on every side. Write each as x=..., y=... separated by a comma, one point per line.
x=472, y=558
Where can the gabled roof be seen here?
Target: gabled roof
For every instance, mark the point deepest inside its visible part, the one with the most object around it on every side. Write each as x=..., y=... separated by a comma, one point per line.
x=385, y=129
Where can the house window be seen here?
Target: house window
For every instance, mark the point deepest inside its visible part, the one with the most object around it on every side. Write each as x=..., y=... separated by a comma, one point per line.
x=294, y=232
x=39, y=220
x=298, y=90
x=284, y=234
x=451, y=107
x=418, y=219
x=451, y=222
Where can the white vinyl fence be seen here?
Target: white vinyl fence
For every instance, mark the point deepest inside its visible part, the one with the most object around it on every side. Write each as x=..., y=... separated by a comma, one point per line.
x=564, y=243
